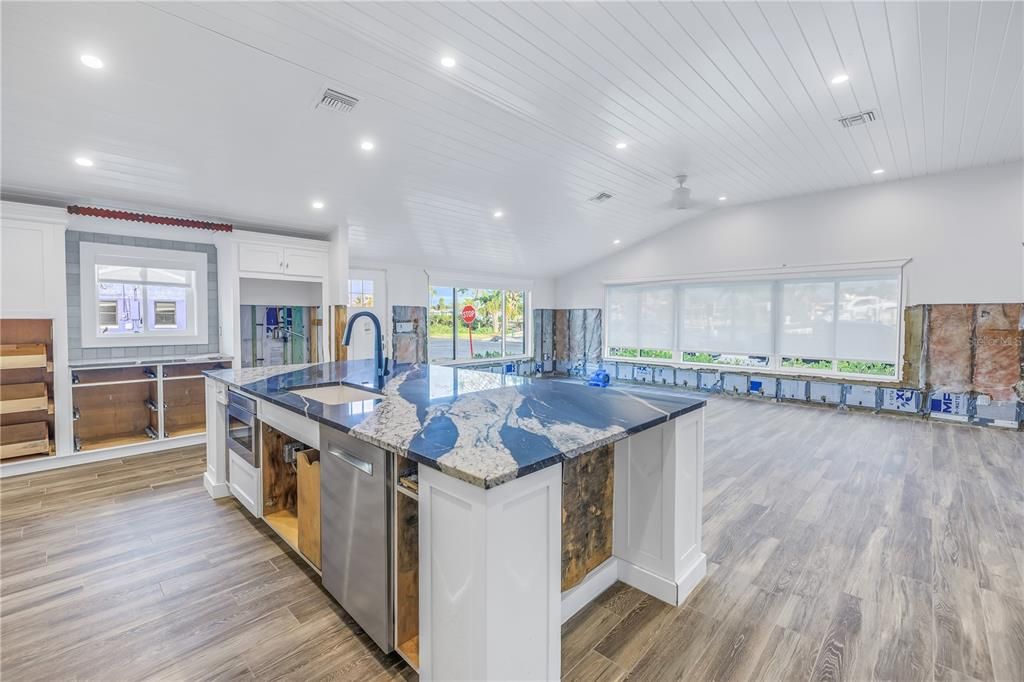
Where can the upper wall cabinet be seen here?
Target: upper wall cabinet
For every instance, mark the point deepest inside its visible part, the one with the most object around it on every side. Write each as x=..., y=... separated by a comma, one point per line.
x=31, y=261
x=272, y=259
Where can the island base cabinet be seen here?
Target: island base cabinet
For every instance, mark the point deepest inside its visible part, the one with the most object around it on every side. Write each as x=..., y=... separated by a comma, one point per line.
x=291, y=491
x=490, y=577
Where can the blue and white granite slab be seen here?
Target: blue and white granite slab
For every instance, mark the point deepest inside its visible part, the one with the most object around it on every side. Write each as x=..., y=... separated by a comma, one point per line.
x=480, y=427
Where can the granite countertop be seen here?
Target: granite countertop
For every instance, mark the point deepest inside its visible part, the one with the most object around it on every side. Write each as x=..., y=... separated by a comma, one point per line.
x=480, y=427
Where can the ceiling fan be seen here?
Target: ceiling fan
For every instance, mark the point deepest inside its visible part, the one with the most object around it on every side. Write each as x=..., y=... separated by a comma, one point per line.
x=681, y=199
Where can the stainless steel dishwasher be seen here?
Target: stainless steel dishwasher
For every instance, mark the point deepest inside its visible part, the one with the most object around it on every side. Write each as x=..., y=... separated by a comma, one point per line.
x=355, y=523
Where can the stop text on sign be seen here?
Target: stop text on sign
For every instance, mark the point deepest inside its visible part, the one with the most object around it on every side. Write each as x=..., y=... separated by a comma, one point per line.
x=468, y=314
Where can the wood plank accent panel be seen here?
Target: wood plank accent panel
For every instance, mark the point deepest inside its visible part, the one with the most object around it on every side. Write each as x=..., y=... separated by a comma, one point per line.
x=340, y=321
x=280, y=487
x=587, y=495
x=308, y=481
x=407, y=576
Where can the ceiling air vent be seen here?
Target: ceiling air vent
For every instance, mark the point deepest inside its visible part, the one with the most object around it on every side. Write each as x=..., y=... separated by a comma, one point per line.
x=858, y=119
x=600, y=197
x=337, y=101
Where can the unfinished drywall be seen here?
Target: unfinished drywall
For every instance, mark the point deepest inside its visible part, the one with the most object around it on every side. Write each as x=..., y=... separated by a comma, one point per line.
x=962, y=232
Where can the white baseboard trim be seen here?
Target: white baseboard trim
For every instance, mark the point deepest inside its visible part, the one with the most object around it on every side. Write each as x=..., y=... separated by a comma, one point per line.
x=33, y=466
x=215, y=489
x=668, y=591
x=593, y=584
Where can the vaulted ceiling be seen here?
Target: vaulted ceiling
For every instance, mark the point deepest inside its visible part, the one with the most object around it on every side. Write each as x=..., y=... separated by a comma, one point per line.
x=208, y=110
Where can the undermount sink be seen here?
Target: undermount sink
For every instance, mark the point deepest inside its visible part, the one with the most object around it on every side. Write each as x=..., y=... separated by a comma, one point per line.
x=336, y=395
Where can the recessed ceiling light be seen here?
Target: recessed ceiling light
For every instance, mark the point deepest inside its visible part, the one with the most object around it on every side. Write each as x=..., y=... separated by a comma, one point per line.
x=839, y=79
x=723, y=198
x=498, y=213
x=448, y=62
x=318, y=204
x=82, y=161
x=366, y=145
x=878, y=171
x=617, y=241
x=92, y=61
x=620, y=145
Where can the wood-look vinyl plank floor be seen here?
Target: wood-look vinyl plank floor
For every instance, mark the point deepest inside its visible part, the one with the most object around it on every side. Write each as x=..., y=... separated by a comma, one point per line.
x=842, y=546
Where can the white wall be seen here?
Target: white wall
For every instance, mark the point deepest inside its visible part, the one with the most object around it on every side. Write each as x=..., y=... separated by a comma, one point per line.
x=962, y=230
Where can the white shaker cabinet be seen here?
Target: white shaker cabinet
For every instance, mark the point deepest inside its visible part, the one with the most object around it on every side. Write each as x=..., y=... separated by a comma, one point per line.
x=259, y=258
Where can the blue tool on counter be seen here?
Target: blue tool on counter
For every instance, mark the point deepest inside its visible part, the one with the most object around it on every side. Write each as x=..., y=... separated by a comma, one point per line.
x=599, y=378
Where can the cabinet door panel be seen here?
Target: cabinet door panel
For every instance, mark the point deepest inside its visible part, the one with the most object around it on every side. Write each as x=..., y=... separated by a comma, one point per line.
x=260, y=258
x=305, y=262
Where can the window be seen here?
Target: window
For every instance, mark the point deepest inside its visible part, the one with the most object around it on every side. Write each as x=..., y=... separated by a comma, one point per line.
x=134, y=295
x=360, y=293
x=497, y=329
x=836, y=325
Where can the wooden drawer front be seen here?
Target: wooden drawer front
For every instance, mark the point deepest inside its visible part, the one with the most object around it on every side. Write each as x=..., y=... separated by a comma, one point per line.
x=24, y=439
x=23, y=398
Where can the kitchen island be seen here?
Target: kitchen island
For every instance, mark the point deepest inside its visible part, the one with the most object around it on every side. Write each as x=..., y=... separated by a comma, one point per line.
x=529, y=498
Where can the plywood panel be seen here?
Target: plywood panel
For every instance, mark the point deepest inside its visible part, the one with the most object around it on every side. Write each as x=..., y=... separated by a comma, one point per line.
x=587, y=495
x=308, y=475
x=340, y=321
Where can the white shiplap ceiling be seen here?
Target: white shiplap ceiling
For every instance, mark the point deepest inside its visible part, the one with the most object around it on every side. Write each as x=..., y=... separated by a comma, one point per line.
x=207, y=109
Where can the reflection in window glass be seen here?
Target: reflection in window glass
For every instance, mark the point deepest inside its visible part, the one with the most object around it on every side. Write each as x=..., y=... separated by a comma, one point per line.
x=441, y=325
x=165, y=313
x=515, y=324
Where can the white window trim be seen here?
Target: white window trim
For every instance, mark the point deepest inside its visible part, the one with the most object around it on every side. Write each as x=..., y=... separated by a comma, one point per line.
x=196, y=332
x=851, y=271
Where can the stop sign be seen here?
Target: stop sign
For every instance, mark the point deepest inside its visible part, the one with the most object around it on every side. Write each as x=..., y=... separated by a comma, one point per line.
x=468, y=314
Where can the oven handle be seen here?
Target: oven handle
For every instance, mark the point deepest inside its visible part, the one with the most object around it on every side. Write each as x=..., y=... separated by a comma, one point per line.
x=244, y=416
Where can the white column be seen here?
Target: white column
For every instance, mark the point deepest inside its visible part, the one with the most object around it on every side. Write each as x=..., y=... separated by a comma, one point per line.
x=216, y=478
x=490, y=578
x=659, y=476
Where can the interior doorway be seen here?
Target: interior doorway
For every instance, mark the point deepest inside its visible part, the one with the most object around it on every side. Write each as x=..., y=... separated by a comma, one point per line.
x=367, y=290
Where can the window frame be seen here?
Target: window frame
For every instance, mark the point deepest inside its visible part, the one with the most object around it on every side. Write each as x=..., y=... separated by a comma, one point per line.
x=196, y=331
x=504, y=289
x=775, y=358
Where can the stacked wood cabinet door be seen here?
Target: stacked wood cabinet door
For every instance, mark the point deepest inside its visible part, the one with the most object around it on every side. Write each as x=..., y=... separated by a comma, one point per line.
x=26, y=388
x=118, y=405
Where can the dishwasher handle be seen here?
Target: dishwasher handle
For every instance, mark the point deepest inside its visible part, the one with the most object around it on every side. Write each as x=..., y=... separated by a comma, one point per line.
x=358, y=463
